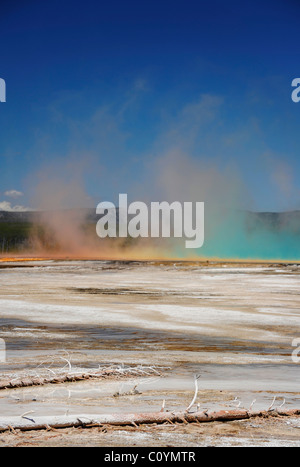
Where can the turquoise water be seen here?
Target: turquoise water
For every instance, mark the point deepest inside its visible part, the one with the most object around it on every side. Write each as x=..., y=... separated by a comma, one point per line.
x=250, y=236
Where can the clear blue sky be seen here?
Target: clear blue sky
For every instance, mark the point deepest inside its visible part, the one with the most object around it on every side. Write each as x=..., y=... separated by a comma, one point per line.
x=95, y=90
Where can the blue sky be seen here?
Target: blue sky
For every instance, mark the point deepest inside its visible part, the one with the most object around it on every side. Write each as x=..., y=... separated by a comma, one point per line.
x=100, y=93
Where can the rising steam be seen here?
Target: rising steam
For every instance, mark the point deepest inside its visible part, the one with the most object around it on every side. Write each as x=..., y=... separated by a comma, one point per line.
x=64, y=225
x=176, y=170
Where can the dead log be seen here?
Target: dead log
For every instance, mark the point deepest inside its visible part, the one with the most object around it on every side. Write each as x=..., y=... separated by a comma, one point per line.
x=70, y=377
x=24, y=423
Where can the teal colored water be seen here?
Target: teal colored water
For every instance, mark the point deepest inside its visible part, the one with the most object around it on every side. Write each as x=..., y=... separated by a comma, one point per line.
x=244, y=235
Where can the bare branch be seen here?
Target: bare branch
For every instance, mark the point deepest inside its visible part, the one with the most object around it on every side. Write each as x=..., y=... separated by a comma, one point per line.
x=195, y=394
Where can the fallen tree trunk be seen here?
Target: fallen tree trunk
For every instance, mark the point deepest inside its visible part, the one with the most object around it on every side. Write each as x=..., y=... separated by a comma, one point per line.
x=26, y=423
x=39, y=381
x=71, y=377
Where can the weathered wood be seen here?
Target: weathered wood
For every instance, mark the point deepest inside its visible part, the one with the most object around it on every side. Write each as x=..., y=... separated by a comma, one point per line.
x=70, y=377
x=31, y=422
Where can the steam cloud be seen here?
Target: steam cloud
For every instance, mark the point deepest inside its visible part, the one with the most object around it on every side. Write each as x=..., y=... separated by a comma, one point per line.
x=176, y=170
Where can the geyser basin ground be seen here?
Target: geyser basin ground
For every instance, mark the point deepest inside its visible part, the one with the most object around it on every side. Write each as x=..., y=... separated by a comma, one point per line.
x=233, y=324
